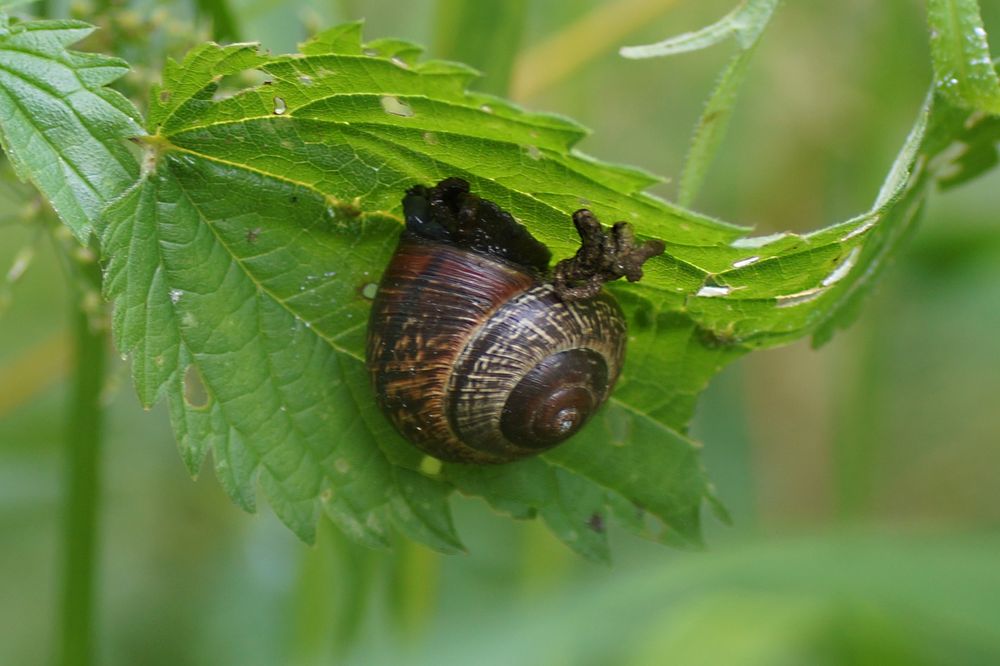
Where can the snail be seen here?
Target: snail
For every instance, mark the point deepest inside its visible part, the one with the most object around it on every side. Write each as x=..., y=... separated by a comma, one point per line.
x=476, y=351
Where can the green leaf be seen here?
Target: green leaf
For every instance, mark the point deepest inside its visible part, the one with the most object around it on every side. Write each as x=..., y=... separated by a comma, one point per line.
x=10, y=4
x=240, y=262
x=745, y=24
x=963, y=68
x=60, y=127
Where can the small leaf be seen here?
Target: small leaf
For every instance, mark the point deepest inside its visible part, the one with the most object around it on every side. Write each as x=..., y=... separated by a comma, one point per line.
x=963, y=69
x=745, y=23
x=60, y=127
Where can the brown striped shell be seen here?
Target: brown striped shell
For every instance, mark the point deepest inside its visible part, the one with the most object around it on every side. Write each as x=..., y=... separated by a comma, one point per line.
x=474, y=352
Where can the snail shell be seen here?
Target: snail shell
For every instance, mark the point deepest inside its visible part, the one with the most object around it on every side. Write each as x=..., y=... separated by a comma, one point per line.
x=474, y=352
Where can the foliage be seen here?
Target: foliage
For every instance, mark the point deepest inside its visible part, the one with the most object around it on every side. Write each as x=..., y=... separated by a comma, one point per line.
x=59, y=124
x=250, y=320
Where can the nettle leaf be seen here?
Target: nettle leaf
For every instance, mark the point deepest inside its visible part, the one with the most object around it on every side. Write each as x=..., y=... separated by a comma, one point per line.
x=61, y=128
x=963, y=68
x=241, y=262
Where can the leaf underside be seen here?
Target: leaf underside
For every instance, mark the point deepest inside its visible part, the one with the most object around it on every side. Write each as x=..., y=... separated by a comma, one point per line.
x=239, y=262
x=59, y=126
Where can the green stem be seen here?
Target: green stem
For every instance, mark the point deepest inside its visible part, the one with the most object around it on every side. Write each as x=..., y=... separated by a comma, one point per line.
x=416, y=573
x=83, y=444
x=481, y=33
x=336, y=581
x=857, y=437
x=224, y=22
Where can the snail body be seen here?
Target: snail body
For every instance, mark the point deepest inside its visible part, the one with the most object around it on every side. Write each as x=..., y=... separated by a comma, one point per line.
x=476, y=352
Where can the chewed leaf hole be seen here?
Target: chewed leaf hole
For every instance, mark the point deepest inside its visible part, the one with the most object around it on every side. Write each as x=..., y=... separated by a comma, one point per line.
x=195, y=393
x=430, y=466
x=596, y=523
x=396, y=107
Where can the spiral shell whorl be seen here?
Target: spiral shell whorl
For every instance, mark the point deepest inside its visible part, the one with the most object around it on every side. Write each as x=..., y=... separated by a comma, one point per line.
x=532, y=328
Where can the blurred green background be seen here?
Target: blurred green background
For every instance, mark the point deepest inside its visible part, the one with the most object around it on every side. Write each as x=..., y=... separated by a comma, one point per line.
x=862, y=478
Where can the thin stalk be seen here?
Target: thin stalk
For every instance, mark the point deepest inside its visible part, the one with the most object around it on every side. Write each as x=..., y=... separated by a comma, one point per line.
x=335, y=587
x=225, y=26
x=482, y=33
x=83, y=447
x=858, y=440
x=416, y=577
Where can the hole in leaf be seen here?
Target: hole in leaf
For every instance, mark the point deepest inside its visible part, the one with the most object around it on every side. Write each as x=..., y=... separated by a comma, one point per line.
x=396, y=107
x=195, y=393
x=596, y=522
x=714, y=290
x=742, y=263
x=430, y=466
x=618, y=424
x=843, y=268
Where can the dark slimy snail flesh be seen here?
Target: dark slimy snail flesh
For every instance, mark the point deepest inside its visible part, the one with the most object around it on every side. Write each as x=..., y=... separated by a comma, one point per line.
x=476, y=351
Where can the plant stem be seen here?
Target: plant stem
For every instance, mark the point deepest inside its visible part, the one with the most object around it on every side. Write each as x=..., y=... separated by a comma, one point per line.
x=497, y=26
x=416, y=574
x=858, y=440
x=83, y=445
